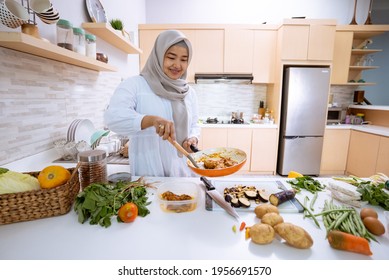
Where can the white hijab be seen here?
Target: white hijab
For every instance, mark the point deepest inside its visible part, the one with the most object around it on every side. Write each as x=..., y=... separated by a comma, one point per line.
x=162, y=85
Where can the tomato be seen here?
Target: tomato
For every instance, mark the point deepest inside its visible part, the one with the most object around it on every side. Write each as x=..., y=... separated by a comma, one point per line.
x=128, y=212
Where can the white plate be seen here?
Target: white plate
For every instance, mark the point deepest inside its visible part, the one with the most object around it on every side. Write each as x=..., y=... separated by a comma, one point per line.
x=96, y=11
x=71, y=129
x=84, y=131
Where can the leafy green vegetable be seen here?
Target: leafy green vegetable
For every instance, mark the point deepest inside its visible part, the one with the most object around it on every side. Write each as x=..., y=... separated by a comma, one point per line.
x=100, y=202
x=13, y=182
x=307, y=183
x=372, y=191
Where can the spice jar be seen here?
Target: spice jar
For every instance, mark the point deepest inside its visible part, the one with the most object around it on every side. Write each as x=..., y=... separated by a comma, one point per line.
x=65, y=34
x=93, y=167
x=79, y=40
x=90, y=45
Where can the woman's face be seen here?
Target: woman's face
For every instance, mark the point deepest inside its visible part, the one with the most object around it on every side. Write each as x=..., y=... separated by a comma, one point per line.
x=175, y=62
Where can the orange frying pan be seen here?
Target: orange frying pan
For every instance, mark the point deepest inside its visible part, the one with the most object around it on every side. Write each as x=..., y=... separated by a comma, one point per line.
x=233, y=153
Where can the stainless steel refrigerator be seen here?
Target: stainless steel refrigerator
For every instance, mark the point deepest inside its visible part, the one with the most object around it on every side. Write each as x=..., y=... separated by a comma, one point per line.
x=303, y=118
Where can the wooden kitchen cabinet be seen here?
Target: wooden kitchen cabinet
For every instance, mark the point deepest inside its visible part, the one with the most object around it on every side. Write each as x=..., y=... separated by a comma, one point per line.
x=207, y=46
x=363, y=154
x=264, y=56
x=240, y=138
x=335, y=151
x=213, y=137
x=308, y=40
x=238, y=50
x=351, y=55
x=383, y=156
x=264, y=151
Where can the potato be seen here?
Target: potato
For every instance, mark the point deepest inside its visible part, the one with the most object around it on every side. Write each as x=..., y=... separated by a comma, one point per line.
x=294, y=235
x=272, y=219
x=262, y=233
x=262, y=209
x=374, y=225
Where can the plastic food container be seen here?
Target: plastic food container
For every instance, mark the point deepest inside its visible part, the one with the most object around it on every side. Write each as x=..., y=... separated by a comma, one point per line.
x=184, y=189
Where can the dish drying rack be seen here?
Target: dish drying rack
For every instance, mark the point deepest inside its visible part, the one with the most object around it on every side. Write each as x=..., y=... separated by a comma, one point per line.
x=32, y=19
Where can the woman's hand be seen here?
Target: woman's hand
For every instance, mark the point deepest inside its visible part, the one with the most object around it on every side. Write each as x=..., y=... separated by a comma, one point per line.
x=163, y=127
x=190, y=141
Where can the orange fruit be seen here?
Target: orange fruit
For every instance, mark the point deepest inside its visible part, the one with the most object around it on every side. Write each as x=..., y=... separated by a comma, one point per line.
x=128, y=212
x=294, y=174
x=53, y=176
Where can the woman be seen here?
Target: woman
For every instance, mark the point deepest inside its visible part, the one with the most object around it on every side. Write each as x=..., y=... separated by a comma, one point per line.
x=156, y=105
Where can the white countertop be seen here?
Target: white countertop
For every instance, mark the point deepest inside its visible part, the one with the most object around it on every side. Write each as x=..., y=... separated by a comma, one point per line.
x=247, y=125
x=370, y=107
x=200, y=234
x=374, y=129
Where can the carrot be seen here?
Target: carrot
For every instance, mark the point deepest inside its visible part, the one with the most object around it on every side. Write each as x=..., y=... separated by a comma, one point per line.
x=348, y=242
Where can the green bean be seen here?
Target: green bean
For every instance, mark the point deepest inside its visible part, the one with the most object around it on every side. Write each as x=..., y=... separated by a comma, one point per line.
x=310, y=214
x=305, y=206
x=341, y=219
x=313, y=201
x=336, y=211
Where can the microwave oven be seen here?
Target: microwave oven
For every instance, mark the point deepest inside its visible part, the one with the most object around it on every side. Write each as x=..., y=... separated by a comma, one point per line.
x=336, y=115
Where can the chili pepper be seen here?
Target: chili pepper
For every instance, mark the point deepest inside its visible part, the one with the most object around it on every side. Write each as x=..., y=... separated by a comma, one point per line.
x=242, y=226
x=234, y=228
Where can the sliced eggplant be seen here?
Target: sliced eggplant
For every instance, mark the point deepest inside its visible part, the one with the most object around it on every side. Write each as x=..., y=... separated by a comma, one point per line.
x=228, y=197
x=281, y=197
x=263, y=196
x=244, y=202
x=235, y=202
x=251, y=194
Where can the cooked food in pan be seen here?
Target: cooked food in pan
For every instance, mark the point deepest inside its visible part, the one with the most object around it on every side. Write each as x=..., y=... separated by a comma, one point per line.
x=217, y=161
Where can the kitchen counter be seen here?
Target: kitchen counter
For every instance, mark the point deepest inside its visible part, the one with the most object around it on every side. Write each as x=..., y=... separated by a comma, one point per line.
x=374, y=129
x=246, y=125
x=200, y=234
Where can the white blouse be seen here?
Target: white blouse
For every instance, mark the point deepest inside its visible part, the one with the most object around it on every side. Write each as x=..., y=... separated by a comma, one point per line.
x=149, y=154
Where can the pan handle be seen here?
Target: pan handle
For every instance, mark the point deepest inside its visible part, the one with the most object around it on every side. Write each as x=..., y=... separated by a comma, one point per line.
x=194, y=148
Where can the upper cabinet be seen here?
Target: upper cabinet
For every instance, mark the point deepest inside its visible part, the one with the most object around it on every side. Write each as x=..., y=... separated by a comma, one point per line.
x=352, y=53
x=222, y=48
x=307, y=40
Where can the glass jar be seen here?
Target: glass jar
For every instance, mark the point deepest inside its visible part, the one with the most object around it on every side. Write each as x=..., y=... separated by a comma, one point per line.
x=79, y=40
x=93, y=167
x=90, y=45
x=65, y=34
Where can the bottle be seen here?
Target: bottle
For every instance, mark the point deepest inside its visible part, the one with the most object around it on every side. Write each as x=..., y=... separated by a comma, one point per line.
x=79, y=40
x=93, y=167
x=90, y=45
x=65, y=34
x=261, y=109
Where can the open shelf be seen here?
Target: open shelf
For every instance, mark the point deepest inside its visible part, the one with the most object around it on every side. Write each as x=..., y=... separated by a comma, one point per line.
x=354, y=84
x=29, y=44
x=108, y=34
x=363, y=67
x=364, y=51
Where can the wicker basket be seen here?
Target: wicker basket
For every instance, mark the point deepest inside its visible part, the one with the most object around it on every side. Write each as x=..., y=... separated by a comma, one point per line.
x=32, y=205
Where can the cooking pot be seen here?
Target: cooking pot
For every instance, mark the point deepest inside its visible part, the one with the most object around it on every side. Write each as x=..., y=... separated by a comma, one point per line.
x=235, y=154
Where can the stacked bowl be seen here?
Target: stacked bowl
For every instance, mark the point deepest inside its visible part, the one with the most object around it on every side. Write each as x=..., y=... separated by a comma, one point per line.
x=13, y=14
x=45, y=11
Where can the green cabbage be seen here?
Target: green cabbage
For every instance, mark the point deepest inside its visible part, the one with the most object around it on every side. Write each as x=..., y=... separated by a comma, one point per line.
x=12, y=182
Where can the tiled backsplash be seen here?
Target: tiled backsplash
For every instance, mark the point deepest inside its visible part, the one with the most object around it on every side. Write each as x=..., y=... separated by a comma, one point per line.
x=219, y=100
x=41, y=97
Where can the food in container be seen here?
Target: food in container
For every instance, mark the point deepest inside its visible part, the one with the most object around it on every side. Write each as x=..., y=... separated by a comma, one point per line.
x=65, y=34
x=178, y=196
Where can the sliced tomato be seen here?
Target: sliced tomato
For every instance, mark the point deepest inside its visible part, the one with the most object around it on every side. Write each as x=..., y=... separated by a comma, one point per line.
x=128, y=212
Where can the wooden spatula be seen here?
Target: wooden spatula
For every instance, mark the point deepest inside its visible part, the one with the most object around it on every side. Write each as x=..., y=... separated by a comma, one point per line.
x=184, y=152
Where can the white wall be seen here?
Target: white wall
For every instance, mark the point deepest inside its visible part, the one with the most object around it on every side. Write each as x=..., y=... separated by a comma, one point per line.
x=251, y=11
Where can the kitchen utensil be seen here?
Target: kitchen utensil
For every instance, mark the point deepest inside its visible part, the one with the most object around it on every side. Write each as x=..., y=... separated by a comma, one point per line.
x=218, y=198
x=12, y=14
x=31, y=29
x=233, y=153
x=194, y=148
x=96, y=137
x=184, y=152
